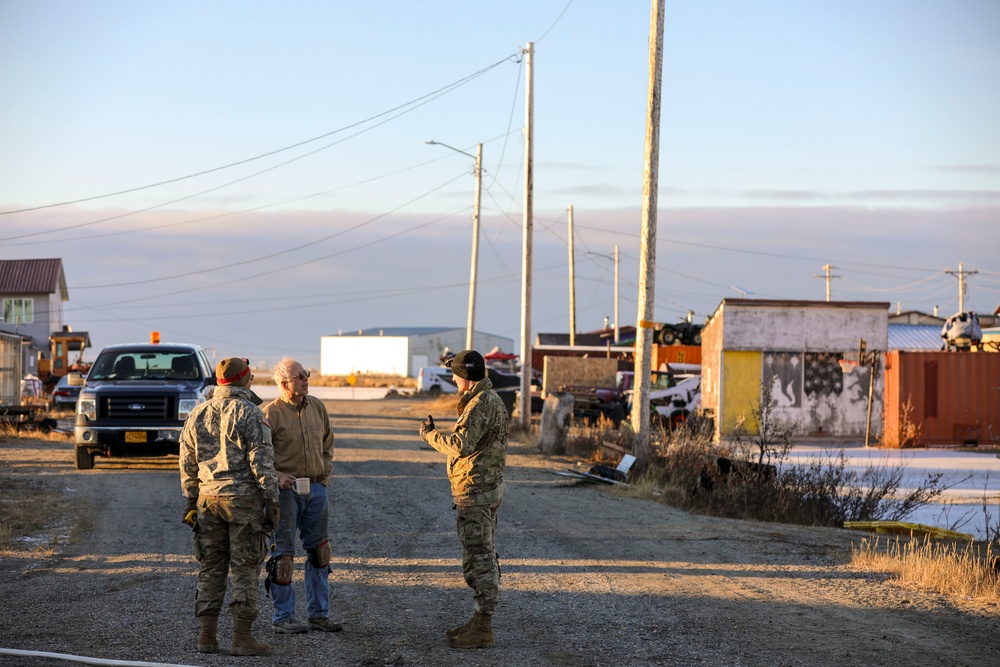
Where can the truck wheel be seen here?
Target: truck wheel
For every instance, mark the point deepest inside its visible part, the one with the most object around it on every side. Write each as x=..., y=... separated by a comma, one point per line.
x=84, y=459
x=435, y=390
x=667, y=335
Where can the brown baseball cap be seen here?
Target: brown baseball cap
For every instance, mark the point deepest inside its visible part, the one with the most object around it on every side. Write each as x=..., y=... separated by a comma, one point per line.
x=233, y=370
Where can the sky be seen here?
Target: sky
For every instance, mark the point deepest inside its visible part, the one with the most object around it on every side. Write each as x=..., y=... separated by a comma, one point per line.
x=251, y=176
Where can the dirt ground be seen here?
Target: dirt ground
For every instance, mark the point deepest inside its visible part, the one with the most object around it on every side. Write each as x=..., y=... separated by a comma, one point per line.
x=590, y=577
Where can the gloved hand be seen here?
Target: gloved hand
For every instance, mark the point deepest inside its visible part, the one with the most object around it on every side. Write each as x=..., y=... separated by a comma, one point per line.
x=426, y=426
x=272, y=513
x=191, y=512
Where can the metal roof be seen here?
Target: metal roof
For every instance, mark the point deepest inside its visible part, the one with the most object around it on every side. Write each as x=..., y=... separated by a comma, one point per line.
x=915, y=337
x=32, y=276
x=400, y=331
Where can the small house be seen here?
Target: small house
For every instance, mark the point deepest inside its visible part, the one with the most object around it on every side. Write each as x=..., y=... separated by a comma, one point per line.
x=792, y=351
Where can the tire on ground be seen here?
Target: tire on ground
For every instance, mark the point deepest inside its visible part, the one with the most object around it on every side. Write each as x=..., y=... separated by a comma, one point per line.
x=84, y=459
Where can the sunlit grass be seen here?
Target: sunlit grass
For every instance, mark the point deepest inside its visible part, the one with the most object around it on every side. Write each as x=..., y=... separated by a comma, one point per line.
x=967, y=570
x=28, y=509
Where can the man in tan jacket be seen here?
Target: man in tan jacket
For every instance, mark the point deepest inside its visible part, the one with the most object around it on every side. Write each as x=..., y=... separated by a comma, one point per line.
x=303, y=458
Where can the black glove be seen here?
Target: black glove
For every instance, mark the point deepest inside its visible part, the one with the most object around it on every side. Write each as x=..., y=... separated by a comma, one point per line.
x=191, y=512
x=426, y=426
x=272, y=515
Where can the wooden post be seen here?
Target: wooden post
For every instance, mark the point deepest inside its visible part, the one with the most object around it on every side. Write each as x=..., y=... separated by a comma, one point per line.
x=474, y=269
x=572, y=282
x=525, y=407
x=647, y=250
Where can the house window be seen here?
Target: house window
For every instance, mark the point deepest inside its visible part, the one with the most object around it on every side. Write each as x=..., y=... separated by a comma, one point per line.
x=19, y=310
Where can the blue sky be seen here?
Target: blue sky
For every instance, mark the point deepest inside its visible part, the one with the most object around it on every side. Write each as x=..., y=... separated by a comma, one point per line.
x=280, y=187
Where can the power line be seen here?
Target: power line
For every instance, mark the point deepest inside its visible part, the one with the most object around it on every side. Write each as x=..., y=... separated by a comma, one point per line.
x=225, y=215
x=414, y=103
x=225, y=185
x=555, y=23
x=760, y=252
x=286, y=251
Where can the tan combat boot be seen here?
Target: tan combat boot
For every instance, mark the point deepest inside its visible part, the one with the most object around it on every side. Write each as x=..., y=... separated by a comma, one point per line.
x=207, y=640
x=243, y=641
x=454, y=632
x=479, y=634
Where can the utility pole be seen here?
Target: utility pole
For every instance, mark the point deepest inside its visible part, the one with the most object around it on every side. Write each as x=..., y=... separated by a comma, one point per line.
x=827, y=268
x=529, y=102
x=647, y=251
x=474, y=268
x=960, y=274
x=618, y=329
x=572, y=282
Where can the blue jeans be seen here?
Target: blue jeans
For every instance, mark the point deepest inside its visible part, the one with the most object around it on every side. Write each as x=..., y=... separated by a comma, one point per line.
x=308, y=514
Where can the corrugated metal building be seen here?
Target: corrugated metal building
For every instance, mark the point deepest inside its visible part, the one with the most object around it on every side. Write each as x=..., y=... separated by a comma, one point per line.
x=795, y=347
x=912, y=337
x=949, y=397
x=400, y=351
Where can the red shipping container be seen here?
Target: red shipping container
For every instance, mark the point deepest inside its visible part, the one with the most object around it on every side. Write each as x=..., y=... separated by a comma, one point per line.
x=942, y=398
x=675, y=354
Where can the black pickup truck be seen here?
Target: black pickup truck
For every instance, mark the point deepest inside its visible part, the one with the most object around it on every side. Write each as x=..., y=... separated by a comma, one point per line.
x=136, y=399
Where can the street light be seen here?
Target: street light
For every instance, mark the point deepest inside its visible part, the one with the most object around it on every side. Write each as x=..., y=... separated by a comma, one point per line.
x=474, y=270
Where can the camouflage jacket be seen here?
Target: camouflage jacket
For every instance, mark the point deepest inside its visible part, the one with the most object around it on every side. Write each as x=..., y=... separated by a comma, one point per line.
x=477, y=448
x=226, y=450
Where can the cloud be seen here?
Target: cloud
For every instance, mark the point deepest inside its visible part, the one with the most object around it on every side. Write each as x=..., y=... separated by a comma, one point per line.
x=909, y=197
x=271, y=283
x=968, y=168
x=594, y=190
x=786, y=195
x=927, y=195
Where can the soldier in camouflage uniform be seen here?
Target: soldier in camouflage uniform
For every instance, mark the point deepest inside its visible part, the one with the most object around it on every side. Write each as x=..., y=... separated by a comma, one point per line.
x=477, y=455
x=228, y=478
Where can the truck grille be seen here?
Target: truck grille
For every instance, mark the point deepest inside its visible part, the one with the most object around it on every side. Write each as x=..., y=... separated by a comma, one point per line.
x=138, y=408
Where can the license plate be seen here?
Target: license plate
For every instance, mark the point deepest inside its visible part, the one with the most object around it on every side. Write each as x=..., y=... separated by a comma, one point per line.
x=135, y=436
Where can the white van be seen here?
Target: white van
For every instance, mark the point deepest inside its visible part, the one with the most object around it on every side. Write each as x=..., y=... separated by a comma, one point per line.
x=436, y=380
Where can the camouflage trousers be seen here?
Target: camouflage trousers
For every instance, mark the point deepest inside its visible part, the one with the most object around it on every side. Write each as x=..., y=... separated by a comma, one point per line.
x=231, y=535
x=477, y=527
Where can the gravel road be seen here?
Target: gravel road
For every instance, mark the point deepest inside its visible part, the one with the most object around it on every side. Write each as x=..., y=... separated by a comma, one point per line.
x=590, y=577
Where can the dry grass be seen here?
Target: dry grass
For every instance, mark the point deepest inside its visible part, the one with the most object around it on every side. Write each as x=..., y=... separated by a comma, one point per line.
x=444, y=405
x=29, y=509
x=8, y=433
x=906, y=433
x=967, y=570
x=362, y=380
x=600, y=443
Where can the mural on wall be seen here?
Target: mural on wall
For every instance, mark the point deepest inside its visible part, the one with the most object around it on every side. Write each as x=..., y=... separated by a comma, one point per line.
x=823, y=376
x=784, y=371
x=824, y=384
x=856, y=385
x=810, y=390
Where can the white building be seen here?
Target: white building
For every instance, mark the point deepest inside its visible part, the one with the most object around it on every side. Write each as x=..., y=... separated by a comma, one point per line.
x=398, y=351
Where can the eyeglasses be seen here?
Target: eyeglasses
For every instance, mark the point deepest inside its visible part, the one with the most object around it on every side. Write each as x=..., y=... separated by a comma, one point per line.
x=302, y=375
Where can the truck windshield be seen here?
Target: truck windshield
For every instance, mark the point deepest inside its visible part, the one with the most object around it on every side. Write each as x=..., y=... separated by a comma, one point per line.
x=135, y=365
